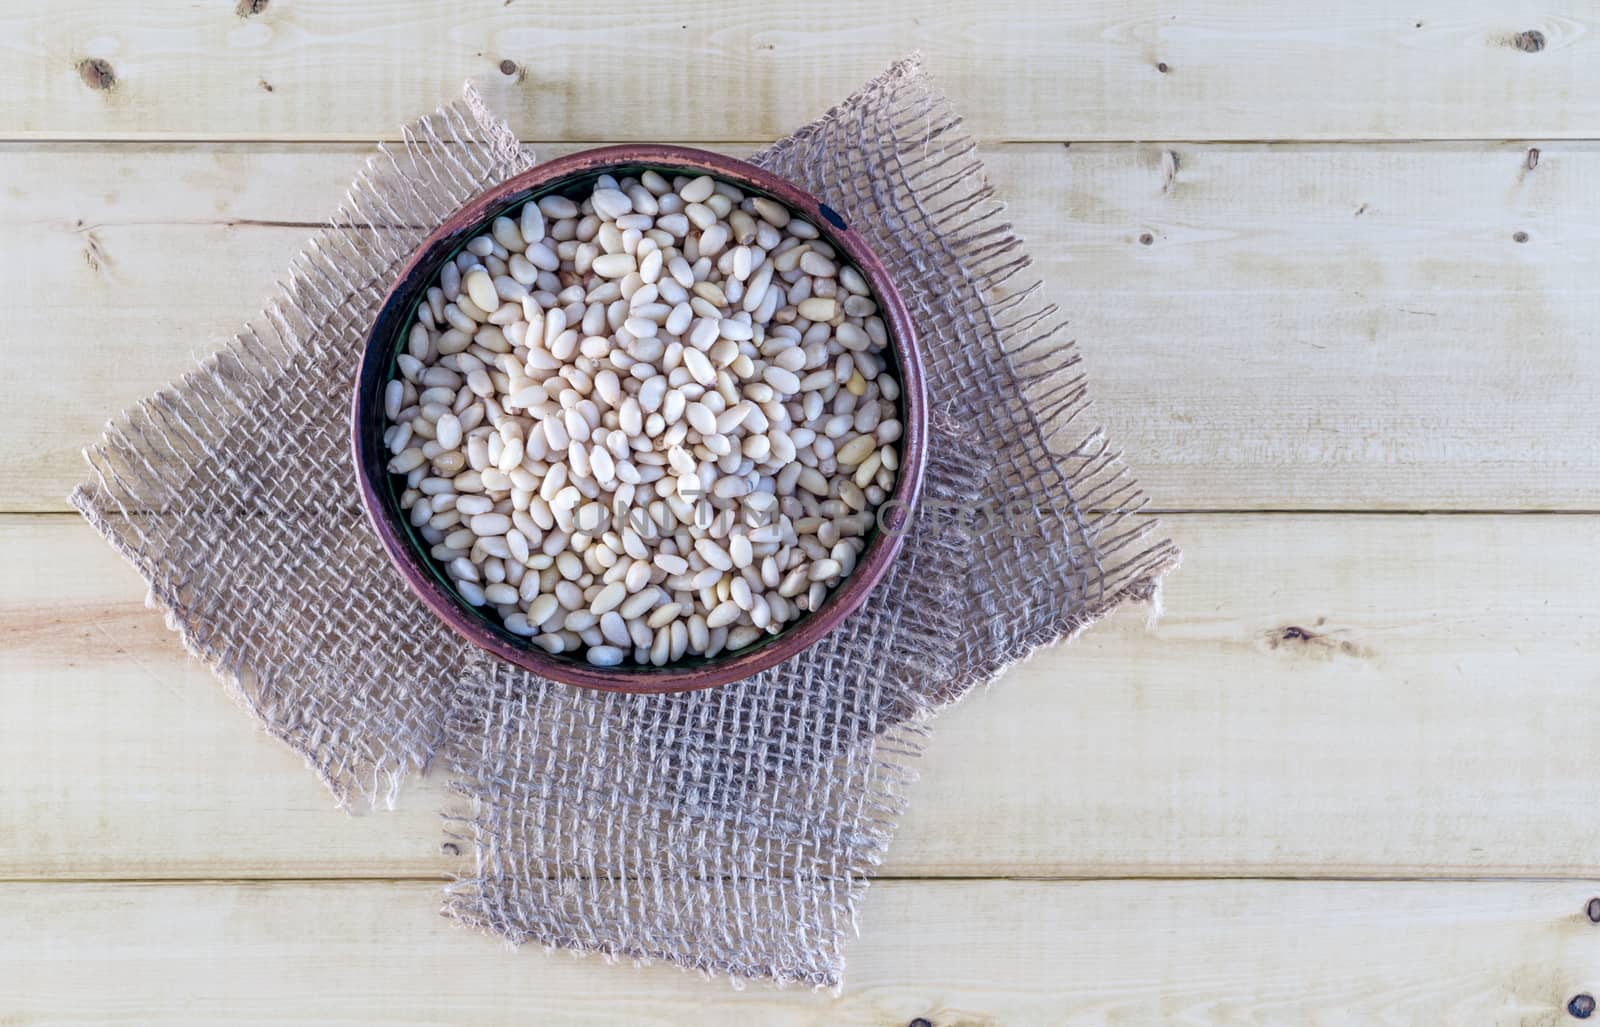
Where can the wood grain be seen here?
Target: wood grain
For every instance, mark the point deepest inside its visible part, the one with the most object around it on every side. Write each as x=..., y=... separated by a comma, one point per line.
x=1324, y=696
x=1266, y=327
x=655, y=71
x=1267, y=954
x=1400, y=321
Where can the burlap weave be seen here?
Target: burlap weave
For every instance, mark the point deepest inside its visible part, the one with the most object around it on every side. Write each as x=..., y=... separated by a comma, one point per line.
x=730, y=830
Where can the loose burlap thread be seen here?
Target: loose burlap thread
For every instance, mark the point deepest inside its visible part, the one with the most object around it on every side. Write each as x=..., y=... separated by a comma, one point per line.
x=732, y=830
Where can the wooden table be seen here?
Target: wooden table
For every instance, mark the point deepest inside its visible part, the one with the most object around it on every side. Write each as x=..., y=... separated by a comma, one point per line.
x=1335, y=268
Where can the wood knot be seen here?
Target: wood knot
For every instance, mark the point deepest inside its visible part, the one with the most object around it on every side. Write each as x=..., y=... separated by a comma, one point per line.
x=920, y=1021
x=249, y=8
x=1321, y=644
x=1592, y=910
x=1519, y=236
x=1533, y=158
x=1531, y=41
x=1161, y=66
x=97, y=73
x=1145, y=238
x=1169, y=170
x=508, y=67
x=1581, y=1006
x=450, y=849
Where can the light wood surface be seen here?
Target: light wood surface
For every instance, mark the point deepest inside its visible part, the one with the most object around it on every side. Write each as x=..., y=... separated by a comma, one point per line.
x=717, y=69
x=1310, y=327
x=1435, y=719
x=965, y=953
x=1333, y=271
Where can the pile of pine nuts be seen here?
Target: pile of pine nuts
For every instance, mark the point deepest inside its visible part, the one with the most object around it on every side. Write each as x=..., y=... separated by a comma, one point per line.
x=656, y=423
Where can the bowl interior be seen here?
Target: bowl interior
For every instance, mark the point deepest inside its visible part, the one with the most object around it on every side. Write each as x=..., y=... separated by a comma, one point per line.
x=381, y=365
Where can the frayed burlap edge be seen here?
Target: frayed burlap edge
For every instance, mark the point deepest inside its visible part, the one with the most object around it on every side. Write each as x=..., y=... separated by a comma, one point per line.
x=1071, y=544
x=151, y=457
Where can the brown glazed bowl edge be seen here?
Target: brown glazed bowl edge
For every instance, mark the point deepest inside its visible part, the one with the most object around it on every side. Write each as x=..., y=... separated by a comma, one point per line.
x=420, y=271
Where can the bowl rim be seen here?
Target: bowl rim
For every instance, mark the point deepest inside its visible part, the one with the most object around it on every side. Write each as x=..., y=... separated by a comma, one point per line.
x=419, y=271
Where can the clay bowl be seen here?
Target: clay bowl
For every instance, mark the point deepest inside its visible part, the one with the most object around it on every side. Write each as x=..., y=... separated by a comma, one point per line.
x=574, y=175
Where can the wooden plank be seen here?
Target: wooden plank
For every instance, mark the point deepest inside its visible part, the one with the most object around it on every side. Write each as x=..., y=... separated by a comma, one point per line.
x=1308, y=327
x=1350, y=327
x=1325, y=695
x=658, y=70
x=1452, y=954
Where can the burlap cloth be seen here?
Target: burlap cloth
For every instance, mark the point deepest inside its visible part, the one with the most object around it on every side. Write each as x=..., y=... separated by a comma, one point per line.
x=729, y=830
